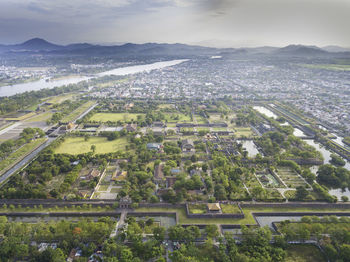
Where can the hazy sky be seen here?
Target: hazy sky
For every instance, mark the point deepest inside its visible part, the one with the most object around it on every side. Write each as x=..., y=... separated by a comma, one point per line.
x=208, y=22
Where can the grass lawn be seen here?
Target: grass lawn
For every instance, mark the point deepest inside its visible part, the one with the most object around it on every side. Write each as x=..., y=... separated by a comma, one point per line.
x=197, y=208
x=304, y=253
x=78, y=145
x=115, y=117
x=115, y=190
x=102, y=188
x=243, y=131
x=215, y=118
x=166, y=106
x=20, y=118
x=77, y=112
x=41, y=117
x=177, y=117
x=230, y=209
x=61, y=98
x=19, y=154
x=200, y=119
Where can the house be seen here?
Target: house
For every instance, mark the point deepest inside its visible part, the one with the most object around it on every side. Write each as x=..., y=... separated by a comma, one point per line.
x=187, y=145
x=153, y=146
x=158, y=174
x=214, y=208
x=131, y=127
x=71, y=126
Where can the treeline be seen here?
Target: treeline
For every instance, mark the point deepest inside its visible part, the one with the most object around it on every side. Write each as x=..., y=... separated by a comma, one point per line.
x=331, y=233
x=16, y=242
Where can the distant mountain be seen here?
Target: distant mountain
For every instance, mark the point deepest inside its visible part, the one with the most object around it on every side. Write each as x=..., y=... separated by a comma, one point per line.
x=130, y=50
x=36, y=44
x=334, y=48
x=300, y=50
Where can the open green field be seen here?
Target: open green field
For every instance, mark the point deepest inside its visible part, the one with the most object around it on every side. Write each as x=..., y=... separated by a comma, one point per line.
x=115, y=117
x=20, y=118
x=61, y=98
x=243, y=132
x=78, y=145
x=197, y=208
x=304, y=253
x=166, y=106
x=177, y=117
x=19, y=154
x=200, y=119
x=41, y=117
x=328, y=66
x=230, y=209
x=216, y=118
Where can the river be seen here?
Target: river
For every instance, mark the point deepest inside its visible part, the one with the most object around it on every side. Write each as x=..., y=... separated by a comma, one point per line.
x=43, y=83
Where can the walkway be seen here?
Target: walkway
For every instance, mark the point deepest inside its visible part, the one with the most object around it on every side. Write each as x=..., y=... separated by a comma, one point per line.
x=119, y=224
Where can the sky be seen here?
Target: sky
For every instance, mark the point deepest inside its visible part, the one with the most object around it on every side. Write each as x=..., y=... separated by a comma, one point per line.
x=219, y=23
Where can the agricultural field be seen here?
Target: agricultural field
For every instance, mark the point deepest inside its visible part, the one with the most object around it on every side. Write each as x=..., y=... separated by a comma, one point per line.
x=78, y=145
x=115, y=117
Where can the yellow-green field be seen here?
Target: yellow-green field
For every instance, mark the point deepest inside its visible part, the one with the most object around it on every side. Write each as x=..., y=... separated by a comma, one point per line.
x=19, y=154
x=115, y=117
x=77, y=112
x=41, y=117
x=329, y=66
x=61, y=98
x=243, y=131
x=78, y=145
x=20, y=118
x=177, y=117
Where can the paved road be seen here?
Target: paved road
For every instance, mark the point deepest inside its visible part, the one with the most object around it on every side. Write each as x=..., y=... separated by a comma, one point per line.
x=119, y=224
x=26, y=160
